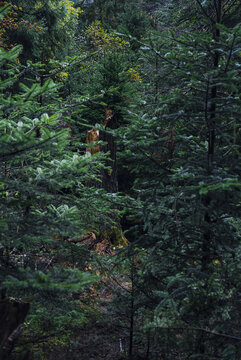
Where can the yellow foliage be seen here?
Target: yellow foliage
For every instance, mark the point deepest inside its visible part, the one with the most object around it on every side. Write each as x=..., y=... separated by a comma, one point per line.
x=38, y=5
x=9, y=22
x=102, y=39
x=134, y=74
x=70, y=9
x=71, y=13
x=62, y=76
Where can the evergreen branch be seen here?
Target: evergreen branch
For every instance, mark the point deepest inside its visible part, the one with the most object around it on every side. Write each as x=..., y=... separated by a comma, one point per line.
x=190, y=45
x=230, y=51
x=230, y=7
x=49, y=75
x=155, y=162
x=40, y=339
x=202, y=330
x=39, y=144
x=204, y=11
x=83, y=102
x=147, y=46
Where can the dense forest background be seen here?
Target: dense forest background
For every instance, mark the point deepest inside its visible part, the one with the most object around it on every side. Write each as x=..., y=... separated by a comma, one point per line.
x=120, y=179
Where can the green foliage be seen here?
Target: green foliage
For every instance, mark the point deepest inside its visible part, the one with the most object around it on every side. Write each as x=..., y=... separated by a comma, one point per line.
x=44, y=205
x=45, y=29
x=170, y=78
x=189, y=185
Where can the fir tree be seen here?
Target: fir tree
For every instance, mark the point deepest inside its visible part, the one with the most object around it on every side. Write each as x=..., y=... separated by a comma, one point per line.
x=45, y=209
x=188, y=179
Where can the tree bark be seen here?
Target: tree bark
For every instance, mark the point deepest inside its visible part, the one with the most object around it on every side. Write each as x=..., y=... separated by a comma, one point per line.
x=109, y=176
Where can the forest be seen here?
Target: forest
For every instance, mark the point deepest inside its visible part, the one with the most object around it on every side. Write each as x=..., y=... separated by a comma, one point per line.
x=120, y=180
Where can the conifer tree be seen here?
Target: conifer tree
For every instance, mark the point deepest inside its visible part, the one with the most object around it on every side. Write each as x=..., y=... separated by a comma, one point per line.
x=45, y=209
x=188, y=179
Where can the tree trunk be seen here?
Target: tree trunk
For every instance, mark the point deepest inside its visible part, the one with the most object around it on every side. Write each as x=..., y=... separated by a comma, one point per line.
x=132, y=310
x=109, y=176
x=207, y=238
x=12, y=316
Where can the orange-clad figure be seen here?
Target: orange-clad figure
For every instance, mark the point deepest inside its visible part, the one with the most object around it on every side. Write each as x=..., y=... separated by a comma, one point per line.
x=91, y=138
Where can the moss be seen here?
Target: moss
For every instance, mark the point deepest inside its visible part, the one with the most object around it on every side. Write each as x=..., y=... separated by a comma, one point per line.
x=115, y=236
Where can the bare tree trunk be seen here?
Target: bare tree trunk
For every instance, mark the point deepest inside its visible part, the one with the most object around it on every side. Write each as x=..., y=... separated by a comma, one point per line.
x=109, y=176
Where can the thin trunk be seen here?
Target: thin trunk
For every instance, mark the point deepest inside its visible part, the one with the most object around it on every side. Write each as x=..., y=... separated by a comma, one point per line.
x=131, y=328
x=207, y=238
x=156, y=80
x=131, y=332
x=211, y=122
x=148, y=346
